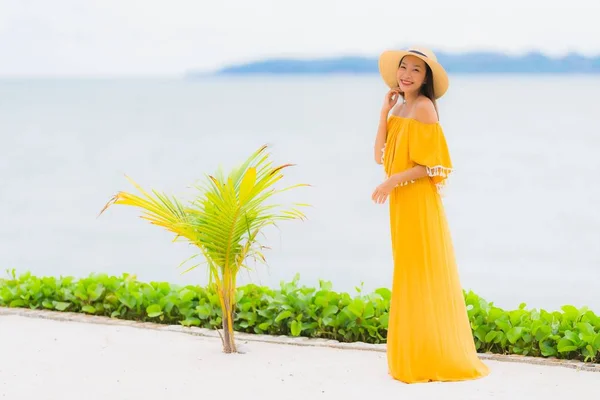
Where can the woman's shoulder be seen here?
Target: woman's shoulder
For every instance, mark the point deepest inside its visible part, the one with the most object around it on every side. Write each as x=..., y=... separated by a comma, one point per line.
x=425, y=111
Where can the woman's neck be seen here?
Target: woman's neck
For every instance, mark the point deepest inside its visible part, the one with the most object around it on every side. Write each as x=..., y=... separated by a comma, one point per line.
x=410, y=98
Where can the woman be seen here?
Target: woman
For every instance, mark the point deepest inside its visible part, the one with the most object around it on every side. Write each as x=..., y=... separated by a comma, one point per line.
x=429, y=335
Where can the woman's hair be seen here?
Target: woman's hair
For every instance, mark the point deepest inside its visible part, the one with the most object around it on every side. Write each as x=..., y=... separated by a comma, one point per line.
x=427, y=87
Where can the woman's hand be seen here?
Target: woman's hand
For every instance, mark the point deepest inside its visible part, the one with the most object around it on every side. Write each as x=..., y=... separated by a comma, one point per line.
x=390, y=100
x=382, y=191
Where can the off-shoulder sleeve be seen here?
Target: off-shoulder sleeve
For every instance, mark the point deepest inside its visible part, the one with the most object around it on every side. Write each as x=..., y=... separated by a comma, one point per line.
x=427, y=146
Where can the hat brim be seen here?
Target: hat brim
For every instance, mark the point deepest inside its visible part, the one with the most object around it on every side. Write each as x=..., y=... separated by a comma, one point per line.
x=389, y=62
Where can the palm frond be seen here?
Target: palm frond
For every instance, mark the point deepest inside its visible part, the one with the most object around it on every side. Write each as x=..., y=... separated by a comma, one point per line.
x=227, y=215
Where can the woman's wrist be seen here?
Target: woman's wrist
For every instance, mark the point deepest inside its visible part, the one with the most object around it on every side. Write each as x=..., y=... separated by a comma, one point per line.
x=396, y=179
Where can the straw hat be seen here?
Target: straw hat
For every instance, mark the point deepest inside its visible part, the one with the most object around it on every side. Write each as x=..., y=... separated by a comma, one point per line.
x=389, y=62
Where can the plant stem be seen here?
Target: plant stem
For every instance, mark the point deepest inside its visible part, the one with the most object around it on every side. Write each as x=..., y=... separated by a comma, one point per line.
x=227, y=303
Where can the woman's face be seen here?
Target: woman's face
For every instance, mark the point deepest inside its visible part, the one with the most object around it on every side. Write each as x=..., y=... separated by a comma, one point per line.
x=411, y=74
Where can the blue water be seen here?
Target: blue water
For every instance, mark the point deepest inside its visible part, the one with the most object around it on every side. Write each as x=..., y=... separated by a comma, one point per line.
x=522, y=205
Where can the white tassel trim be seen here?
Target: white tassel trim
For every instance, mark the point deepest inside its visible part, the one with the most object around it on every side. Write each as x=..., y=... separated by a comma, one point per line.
x=439, y=170
x=383, y=152
x=405, y=183
x=442, y=171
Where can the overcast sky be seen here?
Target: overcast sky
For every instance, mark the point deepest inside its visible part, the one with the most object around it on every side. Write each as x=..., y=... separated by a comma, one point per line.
x=108, y=37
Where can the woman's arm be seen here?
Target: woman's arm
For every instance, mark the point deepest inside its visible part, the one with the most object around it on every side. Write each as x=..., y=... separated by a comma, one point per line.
x=381, y=137
x=382, y=191
x=408, y=175
x=391, y=98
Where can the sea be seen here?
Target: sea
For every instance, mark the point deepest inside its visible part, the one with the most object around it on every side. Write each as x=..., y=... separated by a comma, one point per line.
x=523, y=204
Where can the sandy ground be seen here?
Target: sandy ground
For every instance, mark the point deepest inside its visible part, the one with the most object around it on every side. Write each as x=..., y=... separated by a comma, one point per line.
x=45, y=359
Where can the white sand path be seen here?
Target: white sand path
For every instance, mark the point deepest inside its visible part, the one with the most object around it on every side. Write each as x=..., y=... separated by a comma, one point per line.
x=47, y=359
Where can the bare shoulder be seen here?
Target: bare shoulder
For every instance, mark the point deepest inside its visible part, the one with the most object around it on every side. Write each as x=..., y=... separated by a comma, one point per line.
x=425, y=111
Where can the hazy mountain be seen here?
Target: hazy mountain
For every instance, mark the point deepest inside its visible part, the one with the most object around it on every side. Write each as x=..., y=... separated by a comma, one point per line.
x=471, y=63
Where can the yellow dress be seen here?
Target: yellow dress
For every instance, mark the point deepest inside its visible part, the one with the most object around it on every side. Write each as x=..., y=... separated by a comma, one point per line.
x=429, y=334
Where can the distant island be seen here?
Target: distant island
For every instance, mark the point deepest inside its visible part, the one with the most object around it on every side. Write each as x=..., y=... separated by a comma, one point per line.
x=466, y=63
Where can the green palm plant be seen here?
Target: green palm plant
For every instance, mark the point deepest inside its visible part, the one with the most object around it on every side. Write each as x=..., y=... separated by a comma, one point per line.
x=223, y=221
